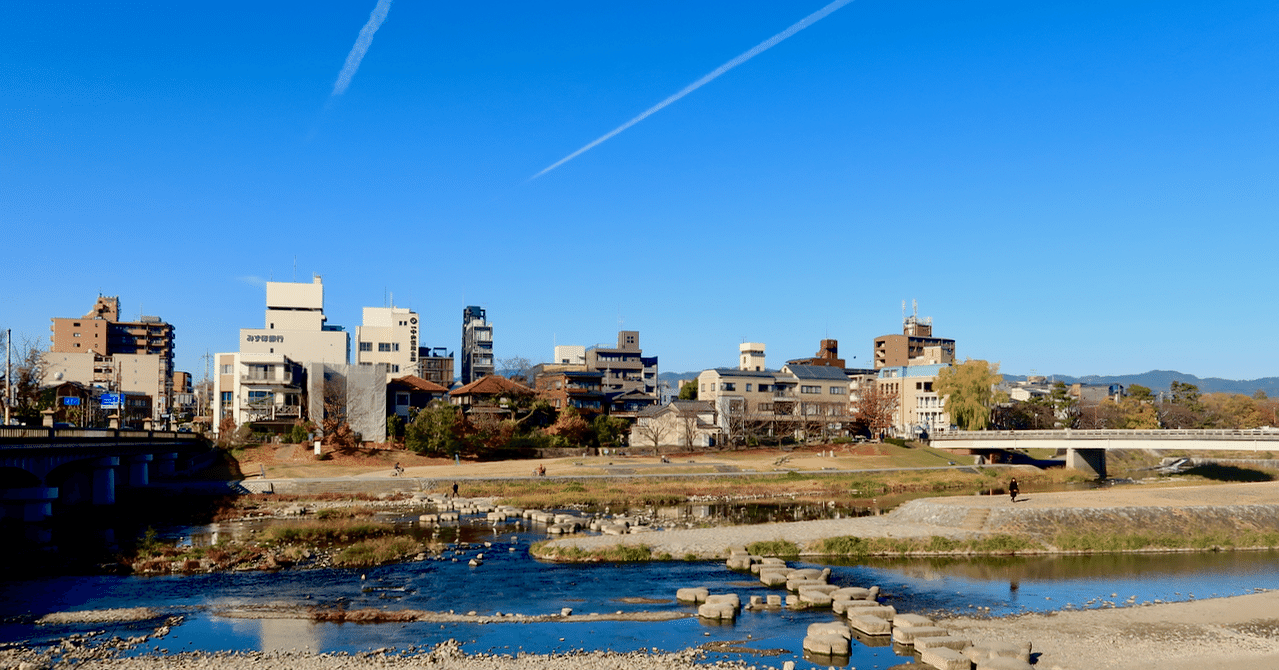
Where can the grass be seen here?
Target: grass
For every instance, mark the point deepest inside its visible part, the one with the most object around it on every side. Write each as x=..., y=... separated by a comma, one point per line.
x=327, y=532
x=773, y=548
x=887, y=546
x=800, y=486
x=619, y=553
x=1121, y=542
x=376, y=552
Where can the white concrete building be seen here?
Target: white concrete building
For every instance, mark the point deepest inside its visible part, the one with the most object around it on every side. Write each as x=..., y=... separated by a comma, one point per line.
x=295, y=326
x=388, y=336
x=570, y=354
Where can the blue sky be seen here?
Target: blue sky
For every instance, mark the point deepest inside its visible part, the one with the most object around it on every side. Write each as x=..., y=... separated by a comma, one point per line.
x=1067, y=188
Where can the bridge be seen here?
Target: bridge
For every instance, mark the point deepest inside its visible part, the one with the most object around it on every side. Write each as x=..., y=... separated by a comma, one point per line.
x=41, y=467
x=1086, y=449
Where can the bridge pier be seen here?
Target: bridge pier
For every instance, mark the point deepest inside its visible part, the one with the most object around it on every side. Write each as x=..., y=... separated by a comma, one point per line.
x=104, y=480
x=140, y=469
x=1090, y=461
x=165, y=465
x=29, y=504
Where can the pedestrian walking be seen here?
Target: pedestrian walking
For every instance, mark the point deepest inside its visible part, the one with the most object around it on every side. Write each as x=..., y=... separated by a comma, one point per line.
x=1013, y=489
x=454, y=489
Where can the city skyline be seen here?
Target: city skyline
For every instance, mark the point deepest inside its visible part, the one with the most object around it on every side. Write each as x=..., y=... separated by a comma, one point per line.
x=1065, y=190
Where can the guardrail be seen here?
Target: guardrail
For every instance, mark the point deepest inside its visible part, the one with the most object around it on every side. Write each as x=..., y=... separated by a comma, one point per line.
x=12, y=435
x=1072, y=434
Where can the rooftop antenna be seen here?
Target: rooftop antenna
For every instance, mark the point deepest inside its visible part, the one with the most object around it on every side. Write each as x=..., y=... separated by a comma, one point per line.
x=295, y=268
x=915, y=306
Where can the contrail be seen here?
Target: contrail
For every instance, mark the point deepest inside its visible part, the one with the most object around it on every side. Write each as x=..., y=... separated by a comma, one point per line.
x=361, y=46
x=757, y=50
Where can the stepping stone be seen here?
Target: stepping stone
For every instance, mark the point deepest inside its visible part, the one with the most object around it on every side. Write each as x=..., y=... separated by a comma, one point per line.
x=871, y=625
x=828, y=644
x=944, y=658
x=907, y=634
x=907, y=620
x=830, y=628
x=692, y=595
x=948, y=641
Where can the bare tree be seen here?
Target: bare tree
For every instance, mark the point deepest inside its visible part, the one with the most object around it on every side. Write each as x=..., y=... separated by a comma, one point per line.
x=876, y=409
x=28, y=376
x=516, y=369
x=652, y=429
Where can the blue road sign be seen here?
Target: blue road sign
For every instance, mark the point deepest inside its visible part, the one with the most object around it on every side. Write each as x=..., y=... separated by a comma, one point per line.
x=110, y=401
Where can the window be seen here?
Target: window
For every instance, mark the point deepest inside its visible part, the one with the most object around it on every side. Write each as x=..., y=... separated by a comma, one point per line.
x=810, y=389
x=919, y=386
x=837, y=390
x=75, y=335
x=226, y=398
x=75, y=325
x=228, y=369
x=748, y=388
x=366, y=346
x=395, y=368
x=383, y=346
x=727, y=386
x=395, y=346
x=763, y=388
x=766, y=407
x=401, y=399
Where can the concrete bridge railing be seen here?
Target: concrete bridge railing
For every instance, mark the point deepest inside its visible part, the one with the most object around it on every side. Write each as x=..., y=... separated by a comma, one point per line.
x=42, y=466
x=1086, y=449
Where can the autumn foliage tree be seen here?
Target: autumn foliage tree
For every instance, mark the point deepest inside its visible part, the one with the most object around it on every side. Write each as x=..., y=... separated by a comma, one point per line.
x=875, y=409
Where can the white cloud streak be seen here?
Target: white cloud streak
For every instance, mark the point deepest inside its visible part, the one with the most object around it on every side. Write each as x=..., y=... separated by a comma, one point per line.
x=361, y=46
x=755, y=51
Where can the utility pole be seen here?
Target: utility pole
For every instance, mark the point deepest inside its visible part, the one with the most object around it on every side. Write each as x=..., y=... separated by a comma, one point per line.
x=8, y=374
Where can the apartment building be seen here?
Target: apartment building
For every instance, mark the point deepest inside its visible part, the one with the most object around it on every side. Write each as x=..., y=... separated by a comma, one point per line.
x=258, y=388
x=388, y=336
x=435, y=365
x=625, y=366
x=477, y=345
x=100, y=350
x=565, y=386
x=915, y=346
x=919, y=407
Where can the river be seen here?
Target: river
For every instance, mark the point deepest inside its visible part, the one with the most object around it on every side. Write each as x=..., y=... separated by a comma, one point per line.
x=510, y=581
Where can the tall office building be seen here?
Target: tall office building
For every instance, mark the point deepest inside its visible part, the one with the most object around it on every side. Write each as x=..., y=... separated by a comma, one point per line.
x=477, y=345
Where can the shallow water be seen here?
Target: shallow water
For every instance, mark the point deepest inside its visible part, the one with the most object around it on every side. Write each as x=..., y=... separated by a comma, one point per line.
x=511, y=581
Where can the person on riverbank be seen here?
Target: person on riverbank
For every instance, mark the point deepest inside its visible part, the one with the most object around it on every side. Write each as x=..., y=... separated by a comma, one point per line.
x=454, y=489
x=1013, y=489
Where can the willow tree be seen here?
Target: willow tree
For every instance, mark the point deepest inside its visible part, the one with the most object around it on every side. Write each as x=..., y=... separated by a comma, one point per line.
x=969, y=390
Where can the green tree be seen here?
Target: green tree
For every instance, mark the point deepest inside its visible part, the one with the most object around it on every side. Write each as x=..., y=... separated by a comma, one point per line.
x=1140, y=393
x=969, y=389
x=435, y=430
x=609, y=430
x=1065, y=406
x=394, y=427
x=688, y=391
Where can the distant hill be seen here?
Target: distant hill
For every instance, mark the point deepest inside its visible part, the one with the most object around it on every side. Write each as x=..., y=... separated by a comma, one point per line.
x=1161, y=380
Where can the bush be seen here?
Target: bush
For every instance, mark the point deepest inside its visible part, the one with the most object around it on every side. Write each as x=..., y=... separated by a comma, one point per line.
x=376, y=552
x=773, y=548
